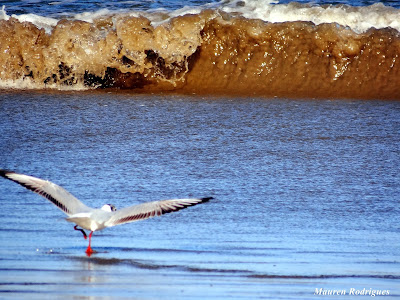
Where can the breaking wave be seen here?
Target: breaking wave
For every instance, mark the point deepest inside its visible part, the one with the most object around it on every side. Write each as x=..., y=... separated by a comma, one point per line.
x=235, y=47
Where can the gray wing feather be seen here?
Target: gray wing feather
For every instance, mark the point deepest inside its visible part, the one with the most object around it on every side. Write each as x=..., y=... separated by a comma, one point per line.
x=51, y=191
x=151, y=209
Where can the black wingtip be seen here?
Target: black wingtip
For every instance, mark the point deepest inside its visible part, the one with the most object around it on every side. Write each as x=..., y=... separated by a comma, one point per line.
x=206, y=199
x=3, y=173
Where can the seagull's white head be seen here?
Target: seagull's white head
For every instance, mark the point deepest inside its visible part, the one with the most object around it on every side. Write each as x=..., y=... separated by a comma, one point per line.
x=108, y=207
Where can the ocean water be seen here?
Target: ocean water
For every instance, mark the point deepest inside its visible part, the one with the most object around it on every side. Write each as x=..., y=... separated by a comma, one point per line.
x=319, y=49
x=72, y=7
x=306, y=196
x=285, y=112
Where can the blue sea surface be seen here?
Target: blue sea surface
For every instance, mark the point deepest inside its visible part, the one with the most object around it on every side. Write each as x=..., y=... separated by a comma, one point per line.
x=306, y=196
x=72, y=7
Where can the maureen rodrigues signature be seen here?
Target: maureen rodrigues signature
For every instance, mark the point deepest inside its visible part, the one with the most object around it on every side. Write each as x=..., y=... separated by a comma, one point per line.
x=351, y=292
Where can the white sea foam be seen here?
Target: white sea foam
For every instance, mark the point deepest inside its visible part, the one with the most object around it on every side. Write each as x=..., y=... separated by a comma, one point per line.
x=359, y=19
x=3, y=14
x=40, y=21
x=91, y=16
x=29, y=84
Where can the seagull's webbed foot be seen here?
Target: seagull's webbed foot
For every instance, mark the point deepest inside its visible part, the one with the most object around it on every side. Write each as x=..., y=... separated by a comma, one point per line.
x=89, y=251
x=81, y=230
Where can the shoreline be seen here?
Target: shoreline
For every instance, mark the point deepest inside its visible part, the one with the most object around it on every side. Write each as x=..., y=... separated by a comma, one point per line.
x=190, y=94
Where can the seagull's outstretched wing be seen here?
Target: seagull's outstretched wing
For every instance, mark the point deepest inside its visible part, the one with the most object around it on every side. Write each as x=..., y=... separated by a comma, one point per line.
x=51, y=191
x=151, y=209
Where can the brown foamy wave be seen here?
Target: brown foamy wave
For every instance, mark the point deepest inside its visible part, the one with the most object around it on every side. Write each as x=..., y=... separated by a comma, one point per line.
x=111, y=52
x=209, y=52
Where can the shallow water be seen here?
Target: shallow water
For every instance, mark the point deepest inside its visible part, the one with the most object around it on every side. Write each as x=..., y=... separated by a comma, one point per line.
x=306, y=196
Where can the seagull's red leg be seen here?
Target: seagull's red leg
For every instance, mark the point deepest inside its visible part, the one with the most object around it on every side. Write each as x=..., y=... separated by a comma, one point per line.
x=89, y=250
x=81, y=230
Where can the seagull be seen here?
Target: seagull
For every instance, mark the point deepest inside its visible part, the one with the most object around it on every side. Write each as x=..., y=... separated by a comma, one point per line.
x=97, y=219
